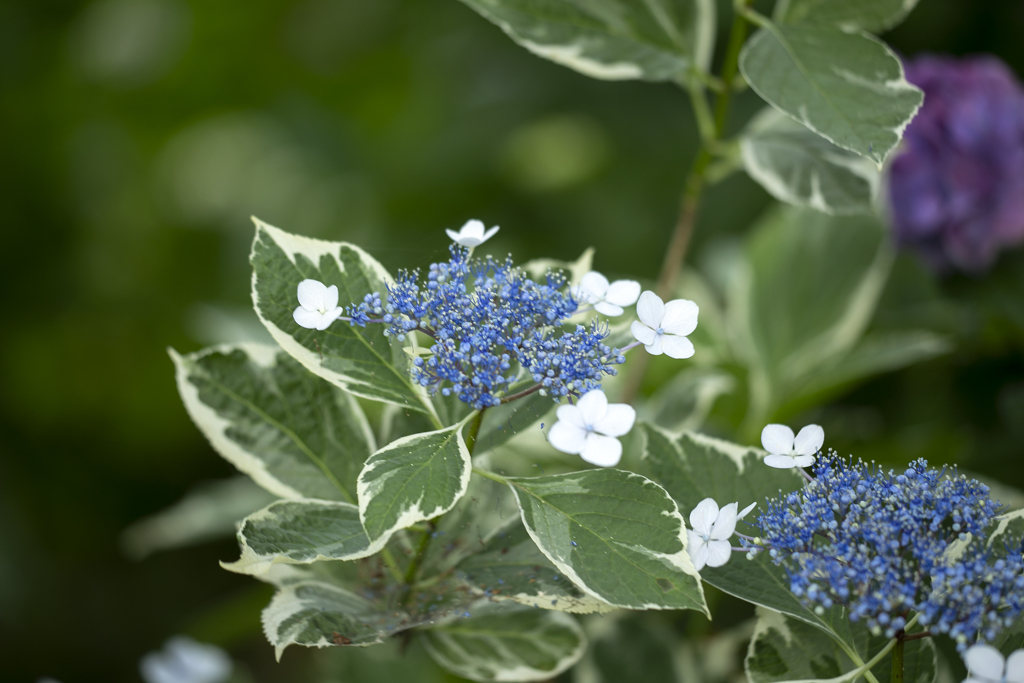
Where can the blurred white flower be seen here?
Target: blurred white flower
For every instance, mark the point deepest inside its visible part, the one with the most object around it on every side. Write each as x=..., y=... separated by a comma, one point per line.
x=472, y=234
x=589, y=428
x=662, y=327
x=607, y=299
x=710, y=532
x=786, y=450
x=183, y=660
x=318, y=305
x=985, y=664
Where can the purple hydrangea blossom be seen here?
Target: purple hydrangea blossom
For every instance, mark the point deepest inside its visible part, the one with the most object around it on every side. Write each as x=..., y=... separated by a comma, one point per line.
x=957, y=189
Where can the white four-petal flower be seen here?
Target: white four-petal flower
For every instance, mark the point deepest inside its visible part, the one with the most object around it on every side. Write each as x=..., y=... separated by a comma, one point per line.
x=184, y=660
x=607, y=299
x=786, y=450
x=472, y=234
x=985, y=664
x=710, y=531
x=589, y=428
x=318, y=305
x=662, y=327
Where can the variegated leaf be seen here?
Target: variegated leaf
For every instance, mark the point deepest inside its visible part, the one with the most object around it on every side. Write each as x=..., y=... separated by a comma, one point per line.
x=415, y=478
x=296, y=435
x=654, y=40
x=847, y=87
x=511, y=567
x=359, y=359
x=499, y=643
x=617, y=535
x=862, y=15
x=786, y=649
x=798, y=166
x=300, y=532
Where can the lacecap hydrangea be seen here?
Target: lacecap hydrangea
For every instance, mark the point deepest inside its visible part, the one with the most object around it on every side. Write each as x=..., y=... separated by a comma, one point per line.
x=886, y=545
x=488, y=319
x=499, y=335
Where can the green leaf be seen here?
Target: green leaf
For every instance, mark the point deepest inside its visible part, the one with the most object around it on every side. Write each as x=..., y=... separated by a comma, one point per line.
x=654, y=40
x=809, y=288
x=301, y=532
x=415, y=478
x=847, y=87
x=208, y=511
x=616, y=535
x=686, y=401
x=361, y=360
x=497, y=643
x=392, y=661
x=798, y=166
x=332, y=603
x=1012, y=638
x=692, y=467
x=511, y=567
x=1008, y=533
x=485, y=508
x=875, y=354
x=296, y=435
x=572, y=271
x=629, y=647
x=503, y=422
x=311, y=613
x=863, y=15
x=785, y=649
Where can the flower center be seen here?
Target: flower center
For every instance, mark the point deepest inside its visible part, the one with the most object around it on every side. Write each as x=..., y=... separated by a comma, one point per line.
x=660, y=330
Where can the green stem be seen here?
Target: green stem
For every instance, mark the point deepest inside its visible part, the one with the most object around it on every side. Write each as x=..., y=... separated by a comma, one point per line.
x=392, y=565
x=421, y=551
x=490, y=475
x=413, y=570
x=737, y=36
x=474, y=431
x=693, y=188
x=897, y=661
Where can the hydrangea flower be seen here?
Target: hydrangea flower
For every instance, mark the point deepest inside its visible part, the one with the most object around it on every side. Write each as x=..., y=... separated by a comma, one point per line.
x=589, y=428
x=184, y=660
x=484, y=317
x=662, y=327
x=318, y=305
x=955, y=190
x=471, y=234
x=710, y=531
x=607, y=298
x=878, y=543
x=786, y=450
x=985, y=664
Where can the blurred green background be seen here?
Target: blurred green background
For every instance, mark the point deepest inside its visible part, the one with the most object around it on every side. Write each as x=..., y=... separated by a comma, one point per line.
x=138, y=136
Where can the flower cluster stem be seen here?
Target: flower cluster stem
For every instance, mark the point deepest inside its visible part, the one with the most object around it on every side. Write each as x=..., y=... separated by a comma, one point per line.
x=897, y=661
x=695, y=183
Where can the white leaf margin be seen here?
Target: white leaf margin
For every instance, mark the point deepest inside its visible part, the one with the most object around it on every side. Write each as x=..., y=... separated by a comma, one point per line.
x=287, y=603
x=680, y=560
x=214, y=427
x=521, y=673
x=256, y=564
x=365, y=492
x=313, y=249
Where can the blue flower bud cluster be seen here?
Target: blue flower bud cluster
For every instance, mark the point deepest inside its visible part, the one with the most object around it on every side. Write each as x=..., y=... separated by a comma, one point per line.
x=486, y=317
x=360, y=313
x=885, y=545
